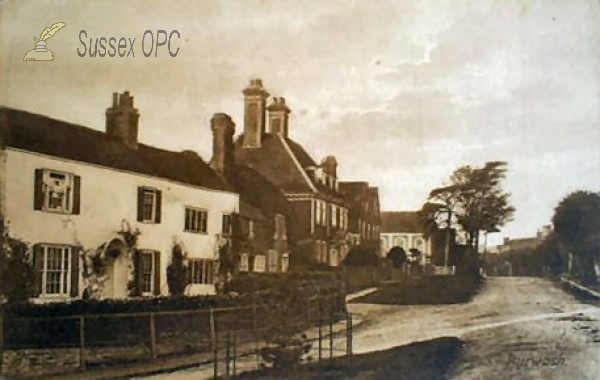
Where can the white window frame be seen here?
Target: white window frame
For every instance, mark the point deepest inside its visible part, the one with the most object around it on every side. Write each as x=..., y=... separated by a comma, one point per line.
x=285, y=262
x=69, y=185
x=251, y=234
x=272, y=261
x=193, y=218
x=259, y=264
x=244, y=262
x=318, y=212
x=223, y=218
x=147, y=253
x=334, y=221
x=152, y=217
x=64, y=271
x=206, y=271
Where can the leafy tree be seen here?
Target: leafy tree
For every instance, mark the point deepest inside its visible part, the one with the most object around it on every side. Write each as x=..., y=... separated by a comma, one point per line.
x=439, y=212
x=474, y=200
x=484, y=205
x=577, y=223
x=398, y=256
x=551, y=254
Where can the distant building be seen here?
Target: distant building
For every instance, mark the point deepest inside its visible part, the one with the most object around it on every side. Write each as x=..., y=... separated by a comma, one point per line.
x=364, y=224
x=526, y=243
x=319, y=214
x=72, y=192
x=403, y=229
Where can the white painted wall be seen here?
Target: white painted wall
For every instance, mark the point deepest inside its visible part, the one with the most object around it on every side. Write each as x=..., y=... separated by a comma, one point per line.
x=388, y=241
x=107, y=197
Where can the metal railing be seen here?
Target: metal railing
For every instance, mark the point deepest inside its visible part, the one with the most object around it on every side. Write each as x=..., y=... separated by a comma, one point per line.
x=212, y=333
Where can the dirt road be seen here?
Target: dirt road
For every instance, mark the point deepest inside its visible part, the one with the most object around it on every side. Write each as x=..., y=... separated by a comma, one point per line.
x=516, y=328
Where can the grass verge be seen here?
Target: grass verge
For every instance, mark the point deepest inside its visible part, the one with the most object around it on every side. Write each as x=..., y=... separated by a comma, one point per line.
x=427, y=290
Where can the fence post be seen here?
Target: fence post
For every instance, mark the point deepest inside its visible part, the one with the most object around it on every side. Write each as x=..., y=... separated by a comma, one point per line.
x=320, y=337
x=152, y=337
x=330, y=336
x=228, y=354
x=234, y=352
x=213, y=334
x=349, y=335
x=1, y=340
x=82, y=343
x=255, y=332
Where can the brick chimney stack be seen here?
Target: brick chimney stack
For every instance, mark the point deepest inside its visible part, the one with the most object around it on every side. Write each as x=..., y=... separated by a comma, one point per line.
x=255, y=99
x=223, y=160
x=122, y=119
x=329, y=165
x=278, y=117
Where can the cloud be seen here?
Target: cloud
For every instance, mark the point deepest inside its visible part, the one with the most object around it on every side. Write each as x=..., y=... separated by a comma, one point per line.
x=402, y=92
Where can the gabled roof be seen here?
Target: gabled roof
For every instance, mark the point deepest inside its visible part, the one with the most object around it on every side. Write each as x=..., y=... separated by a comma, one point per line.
x=354, y=191
x=42, y=134
x=258, y=195
x=284, y=162
x=274, y=162
x=303, y=157
x=400, y=221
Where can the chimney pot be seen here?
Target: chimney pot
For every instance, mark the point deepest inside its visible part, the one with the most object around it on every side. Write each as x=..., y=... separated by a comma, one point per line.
x=278, y=117
x=255, y=97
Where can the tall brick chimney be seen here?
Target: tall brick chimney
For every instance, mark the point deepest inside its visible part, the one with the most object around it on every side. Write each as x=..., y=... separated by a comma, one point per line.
x=255, y=99
x=329, y=165
x=278, y=117
x=223, y=160
x=122, y=119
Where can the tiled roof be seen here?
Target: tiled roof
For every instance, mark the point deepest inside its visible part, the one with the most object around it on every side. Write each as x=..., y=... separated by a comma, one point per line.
x=42, y=134
x=400, y=221
x=354, y=191
x=257, y=194
x=274, y=162
x=285, y=168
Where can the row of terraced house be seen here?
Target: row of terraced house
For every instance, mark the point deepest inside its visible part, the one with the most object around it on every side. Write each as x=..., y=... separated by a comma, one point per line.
x=75, y=194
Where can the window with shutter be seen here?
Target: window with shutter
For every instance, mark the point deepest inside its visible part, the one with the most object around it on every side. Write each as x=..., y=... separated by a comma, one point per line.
x=57, y=191
x=149, y=272
x=149, y=205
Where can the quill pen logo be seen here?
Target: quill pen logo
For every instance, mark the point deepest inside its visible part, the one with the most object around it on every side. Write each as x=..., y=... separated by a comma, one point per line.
x=40, y=53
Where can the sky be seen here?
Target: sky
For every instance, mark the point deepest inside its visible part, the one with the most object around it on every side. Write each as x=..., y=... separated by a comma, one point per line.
x=401, y=92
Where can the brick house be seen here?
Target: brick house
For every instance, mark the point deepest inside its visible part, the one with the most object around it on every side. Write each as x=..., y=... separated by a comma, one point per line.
x=69, y=190
x=260, y=228
x=364, y=221
x=318, y=211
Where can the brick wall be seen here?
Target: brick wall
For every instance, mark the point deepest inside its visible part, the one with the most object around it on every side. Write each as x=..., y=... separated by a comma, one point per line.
x=40, y=362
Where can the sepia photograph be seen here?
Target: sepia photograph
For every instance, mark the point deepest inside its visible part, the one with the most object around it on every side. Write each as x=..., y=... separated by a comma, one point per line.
x=309, y=190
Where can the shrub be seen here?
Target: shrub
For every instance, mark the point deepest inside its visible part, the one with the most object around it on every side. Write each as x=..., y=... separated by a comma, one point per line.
x=16, y=272
x=177, y=273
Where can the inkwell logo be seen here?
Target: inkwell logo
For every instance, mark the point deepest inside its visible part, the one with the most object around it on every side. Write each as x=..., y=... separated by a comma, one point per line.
x=40, y=53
